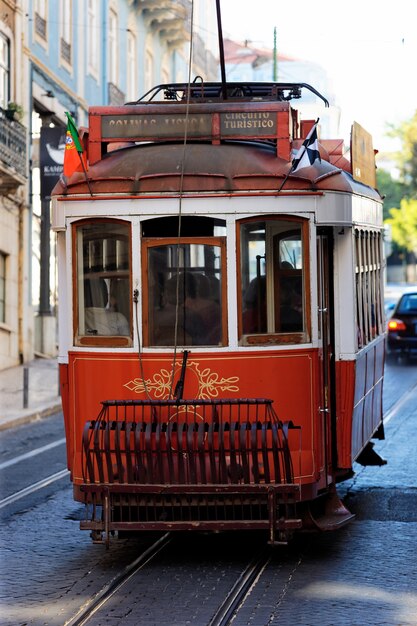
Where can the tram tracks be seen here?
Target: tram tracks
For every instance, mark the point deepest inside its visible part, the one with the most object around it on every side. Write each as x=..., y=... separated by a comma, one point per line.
x=30, y=489
x=251, y=580
x=33, y=457
x=90, y=608
x=118, y=587
x=241, y=589
x=234, y=600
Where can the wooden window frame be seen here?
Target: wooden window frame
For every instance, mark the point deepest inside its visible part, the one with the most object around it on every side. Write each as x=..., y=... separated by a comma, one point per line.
x=153, y=242
x=101, y=341
x=367, y=245
x=277, y=338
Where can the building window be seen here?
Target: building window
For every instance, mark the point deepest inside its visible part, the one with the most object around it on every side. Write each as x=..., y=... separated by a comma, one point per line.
x=92, y=36
x=103, y=310
x=165, y=76
x=66, y=31
x=41, y=21
x=273, y=290
x=2, y=288
x=4, y=71
x=368, y=277
x=113, y=49
x=149, y=70
x=132, y=87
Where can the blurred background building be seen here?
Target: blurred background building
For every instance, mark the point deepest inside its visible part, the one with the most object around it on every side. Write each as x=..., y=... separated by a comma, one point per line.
x=64, y=55
x=245, y=62
x=16, y=319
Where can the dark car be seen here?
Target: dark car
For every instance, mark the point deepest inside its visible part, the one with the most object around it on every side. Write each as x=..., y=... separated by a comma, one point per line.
x=402, y=326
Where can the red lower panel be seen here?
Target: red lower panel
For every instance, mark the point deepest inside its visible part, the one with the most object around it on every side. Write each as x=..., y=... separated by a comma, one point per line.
x=359, y=401
x=290, y=379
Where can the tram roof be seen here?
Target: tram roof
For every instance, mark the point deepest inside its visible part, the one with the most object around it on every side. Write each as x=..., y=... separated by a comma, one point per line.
x=229, y=167
x=241, y=137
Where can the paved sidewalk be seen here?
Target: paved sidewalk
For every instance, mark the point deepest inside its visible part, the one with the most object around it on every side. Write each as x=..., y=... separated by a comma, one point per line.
x=42, y=392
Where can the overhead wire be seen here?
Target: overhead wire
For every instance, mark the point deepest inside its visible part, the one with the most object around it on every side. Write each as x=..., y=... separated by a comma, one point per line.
x=181, y=191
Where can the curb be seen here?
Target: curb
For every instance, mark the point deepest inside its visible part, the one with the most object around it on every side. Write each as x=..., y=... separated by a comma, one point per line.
x=36, y=414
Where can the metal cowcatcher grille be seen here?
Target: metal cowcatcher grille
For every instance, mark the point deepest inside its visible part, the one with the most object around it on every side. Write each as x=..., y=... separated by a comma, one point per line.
x=180, y=464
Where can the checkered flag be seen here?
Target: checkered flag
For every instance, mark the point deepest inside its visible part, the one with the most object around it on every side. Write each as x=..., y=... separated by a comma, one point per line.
x=308, y=151
x=306, y=154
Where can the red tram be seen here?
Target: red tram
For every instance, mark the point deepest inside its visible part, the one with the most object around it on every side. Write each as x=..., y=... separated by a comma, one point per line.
x=221, y=328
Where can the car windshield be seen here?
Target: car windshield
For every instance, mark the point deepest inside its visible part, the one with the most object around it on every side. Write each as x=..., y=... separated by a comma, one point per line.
x=408, y=304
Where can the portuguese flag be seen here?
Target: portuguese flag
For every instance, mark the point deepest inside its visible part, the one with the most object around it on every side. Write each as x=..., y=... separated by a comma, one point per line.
x=74, y=157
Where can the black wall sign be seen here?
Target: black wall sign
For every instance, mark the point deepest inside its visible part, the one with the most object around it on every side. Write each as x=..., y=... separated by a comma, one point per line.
x=52, y=146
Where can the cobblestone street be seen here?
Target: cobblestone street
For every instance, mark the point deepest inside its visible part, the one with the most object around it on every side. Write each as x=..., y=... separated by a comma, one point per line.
x=362, y=575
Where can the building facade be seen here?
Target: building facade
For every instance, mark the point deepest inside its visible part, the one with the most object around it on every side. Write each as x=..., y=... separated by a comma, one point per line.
x=16, y=319
x=246, y=62
x=58, y=56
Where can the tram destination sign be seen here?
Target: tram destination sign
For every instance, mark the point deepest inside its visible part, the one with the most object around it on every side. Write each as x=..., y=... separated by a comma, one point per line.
x=257, y=123
x=248, y=124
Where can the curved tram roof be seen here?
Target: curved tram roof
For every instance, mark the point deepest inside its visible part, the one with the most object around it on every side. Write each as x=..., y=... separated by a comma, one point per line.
x=239, y=140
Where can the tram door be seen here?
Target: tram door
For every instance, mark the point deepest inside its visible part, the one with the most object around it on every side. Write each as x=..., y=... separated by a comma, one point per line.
x=326, y=347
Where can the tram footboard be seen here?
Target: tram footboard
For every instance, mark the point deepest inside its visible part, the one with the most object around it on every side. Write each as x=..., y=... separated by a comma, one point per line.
x=188, y=465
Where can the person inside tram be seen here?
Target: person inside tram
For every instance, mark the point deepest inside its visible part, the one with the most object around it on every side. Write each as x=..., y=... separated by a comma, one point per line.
x=101, y=318
x=206, y=305
x=254, y=306
x=291, y=306
x=190, y=327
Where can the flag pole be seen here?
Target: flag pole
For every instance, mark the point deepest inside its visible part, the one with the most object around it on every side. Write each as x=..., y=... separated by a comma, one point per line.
x=85, y=173
x=77, y=144
x=286, y=177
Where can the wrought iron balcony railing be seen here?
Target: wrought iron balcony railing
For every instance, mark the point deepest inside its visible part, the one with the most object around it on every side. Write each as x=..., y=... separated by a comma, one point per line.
x=13, y=161
x=169, y=19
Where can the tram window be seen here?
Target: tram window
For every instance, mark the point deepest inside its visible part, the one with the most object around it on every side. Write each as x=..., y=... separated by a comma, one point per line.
x=189, y=226
x=185, y=295
x=103, y=283
x=368, y=276
x=273, y=281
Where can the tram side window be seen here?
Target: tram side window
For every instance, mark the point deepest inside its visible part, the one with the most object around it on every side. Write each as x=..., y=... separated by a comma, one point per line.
x=273, y=281
x=368, y=277
x=185, y=293
x=103, y=282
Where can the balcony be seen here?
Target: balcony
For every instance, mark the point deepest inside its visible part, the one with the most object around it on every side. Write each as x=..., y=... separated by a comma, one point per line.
x=40, y=26
x=66, y=51
x=13, y=167
x=115, y=96
x=170, y=20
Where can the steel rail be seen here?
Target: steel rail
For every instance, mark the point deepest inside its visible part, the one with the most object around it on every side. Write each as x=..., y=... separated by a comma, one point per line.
x=45, y=482
x=32, y=453
x=101, y=597
x=241, y=589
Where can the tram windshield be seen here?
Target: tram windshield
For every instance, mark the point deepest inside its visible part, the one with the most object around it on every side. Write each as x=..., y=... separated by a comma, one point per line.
x=103, y=280
x=185, y=293
x=272, y=284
